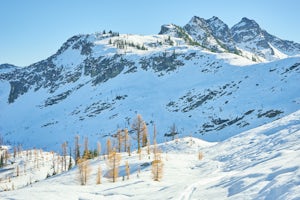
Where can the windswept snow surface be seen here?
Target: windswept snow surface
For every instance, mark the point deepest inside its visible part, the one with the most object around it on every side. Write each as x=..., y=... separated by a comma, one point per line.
x=262, y=163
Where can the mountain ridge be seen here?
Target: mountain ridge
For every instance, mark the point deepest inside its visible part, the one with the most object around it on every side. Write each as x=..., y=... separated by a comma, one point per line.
x=97, y=83
x=245, y=38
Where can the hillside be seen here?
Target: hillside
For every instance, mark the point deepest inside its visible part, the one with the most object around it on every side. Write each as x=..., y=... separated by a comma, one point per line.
x=96, y=84
x=262, y=163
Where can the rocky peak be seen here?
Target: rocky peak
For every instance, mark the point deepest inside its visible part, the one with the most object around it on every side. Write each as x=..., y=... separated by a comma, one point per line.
x=221, y=31
x=168, y=29
x=246, y=30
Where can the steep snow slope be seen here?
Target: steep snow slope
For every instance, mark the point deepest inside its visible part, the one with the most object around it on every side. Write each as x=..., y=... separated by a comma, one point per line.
x=96, y=84
x=262, y=163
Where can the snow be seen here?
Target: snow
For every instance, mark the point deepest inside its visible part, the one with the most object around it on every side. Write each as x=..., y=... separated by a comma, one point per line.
x=262, y=163
x=256, y=89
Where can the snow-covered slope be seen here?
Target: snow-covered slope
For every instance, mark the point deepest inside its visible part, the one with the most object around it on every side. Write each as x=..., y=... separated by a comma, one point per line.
x=96, y=84
x=262, y=163
x=23, y=168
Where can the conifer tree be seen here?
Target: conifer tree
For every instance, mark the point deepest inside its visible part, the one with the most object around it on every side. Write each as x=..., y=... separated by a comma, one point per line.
x=154, y=135
x=6, y=157
x=99, y=174
x=1, y=161
x=119, y=140
x=86, y=152
x=145, y=135
x=18, y=170
x=113, y=163
x=157, y=165
x=126, y=140
x=15, y=152
x=173, y=131
x=108, y=146
x=98, y=148
x=84, y=170
x=127, y=168
x=64, y=155
x=138, y=127
x=77, y=149
x=200, y=156
x=70, y=160
x=128, y=151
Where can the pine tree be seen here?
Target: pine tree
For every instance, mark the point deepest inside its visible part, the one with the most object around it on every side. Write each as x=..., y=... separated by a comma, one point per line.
x=113, y=163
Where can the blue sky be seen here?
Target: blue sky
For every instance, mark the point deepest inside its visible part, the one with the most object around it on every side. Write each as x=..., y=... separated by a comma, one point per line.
x=32, y=30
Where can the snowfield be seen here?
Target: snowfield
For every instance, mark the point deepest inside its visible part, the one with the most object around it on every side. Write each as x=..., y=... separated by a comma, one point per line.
x=262, y=163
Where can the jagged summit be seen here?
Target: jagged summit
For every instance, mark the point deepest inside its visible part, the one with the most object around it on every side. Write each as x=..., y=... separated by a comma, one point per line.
x=246, y=38
x=246, y=30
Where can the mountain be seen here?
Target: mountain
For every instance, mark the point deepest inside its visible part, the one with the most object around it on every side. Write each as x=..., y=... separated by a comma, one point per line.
x=262, y=163
x=6, y=68
x=246, y=38
x=250, y=37
x=97, y=83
